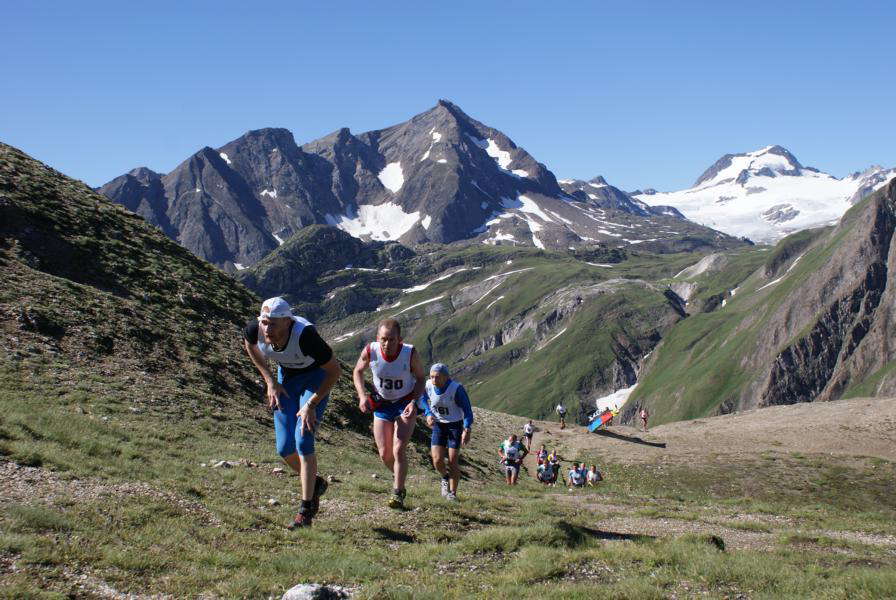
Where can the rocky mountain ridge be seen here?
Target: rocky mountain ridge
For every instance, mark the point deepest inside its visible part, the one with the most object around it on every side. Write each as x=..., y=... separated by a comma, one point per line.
x=439, y=177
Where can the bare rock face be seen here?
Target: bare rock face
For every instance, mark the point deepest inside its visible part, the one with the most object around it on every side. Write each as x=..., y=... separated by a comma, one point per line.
x=780, y=213
x=846, y=309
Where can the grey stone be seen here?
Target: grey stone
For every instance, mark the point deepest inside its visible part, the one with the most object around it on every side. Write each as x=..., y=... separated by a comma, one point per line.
x=314, y=591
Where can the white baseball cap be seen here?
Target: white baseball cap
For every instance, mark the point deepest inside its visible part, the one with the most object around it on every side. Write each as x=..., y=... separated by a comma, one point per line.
x=275, y=307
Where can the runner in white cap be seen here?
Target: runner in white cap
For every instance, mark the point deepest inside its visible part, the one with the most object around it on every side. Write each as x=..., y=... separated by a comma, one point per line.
x=307, y=370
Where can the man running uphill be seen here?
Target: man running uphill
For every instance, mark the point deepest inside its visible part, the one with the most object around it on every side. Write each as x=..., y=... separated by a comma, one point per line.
x=512, y=453
x=448, y=412
x=561, y=411
x=307, y=370
x=398, y=381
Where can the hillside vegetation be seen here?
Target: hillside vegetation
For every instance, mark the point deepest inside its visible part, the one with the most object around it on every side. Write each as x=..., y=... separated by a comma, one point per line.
x=812, y=322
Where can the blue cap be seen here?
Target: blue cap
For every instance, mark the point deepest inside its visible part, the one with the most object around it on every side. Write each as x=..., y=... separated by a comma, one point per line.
x=439, y=368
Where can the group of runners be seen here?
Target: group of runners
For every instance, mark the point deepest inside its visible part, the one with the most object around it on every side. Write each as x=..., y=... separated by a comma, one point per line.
x=512, y=451
x=307, y=369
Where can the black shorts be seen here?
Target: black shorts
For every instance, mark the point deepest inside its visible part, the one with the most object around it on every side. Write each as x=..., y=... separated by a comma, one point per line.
x=447, y=434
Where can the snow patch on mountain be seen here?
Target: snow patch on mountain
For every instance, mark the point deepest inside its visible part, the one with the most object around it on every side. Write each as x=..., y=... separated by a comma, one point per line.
x=500, y=237
x=492, y=303
x=345, y=336
x=436, y=138
x=381, y=222
x=423, y=286
x=271, y=193
x=502, y=157
x=392, y=177
x=404, y=310
x=226, y=159
x=614, y=400
x=529, y=206
x=562, y=331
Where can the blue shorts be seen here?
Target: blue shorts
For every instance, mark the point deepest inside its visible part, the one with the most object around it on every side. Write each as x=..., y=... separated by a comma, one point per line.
x=390, y=411
x=447, y=434
x=287, y=425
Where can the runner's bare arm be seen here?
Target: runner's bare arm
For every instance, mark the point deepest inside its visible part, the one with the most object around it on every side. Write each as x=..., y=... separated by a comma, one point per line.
x=307, y=413
x=274, y=389
x=358, y=378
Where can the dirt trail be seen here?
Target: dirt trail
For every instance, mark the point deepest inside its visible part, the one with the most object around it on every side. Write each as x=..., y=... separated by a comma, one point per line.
x=861, y=427
x=855, y=427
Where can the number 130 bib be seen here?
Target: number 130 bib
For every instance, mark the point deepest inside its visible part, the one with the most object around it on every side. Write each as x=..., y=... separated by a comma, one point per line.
x=392, y=379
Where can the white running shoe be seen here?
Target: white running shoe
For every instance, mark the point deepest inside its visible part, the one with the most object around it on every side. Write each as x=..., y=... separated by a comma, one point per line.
x=451, y=497
x=445, y=491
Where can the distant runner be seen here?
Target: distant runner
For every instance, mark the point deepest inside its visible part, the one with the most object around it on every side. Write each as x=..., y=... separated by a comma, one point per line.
x=448, y=412
x=594, y=476
x=644, y=416
x=528, y=432
x=577, y=475
x=546, y=473
x=542, y=455
x=306, y=371
x=398, y=381
x=561, y=410
x=554, y=462
x=512, y=454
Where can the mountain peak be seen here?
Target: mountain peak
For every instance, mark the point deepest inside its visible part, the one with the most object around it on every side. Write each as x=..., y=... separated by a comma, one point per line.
x=267, y=137
x=144, y=174
x=769, y=161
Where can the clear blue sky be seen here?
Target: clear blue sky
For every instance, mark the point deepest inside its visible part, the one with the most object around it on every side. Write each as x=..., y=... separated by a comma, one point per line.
x=647, y=94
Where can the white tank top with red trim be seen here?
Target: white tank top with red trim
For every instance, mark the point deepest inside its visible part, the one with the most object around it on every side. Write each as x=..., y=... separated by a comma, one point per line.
x=392, y=379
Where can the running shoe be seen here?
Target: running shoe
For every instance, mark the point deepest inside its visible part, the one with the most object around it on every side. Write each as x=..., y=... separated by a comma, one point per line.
x=445, y=489
x=451, y=497
x=300, y=520
x=397, y=499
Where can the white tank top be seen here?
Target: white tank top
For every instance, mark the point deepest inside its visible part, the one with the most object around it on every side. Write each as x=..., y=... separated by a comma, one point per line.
x=511, y=451
x=290, y=357
x=443, y=406
x=392, y=380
